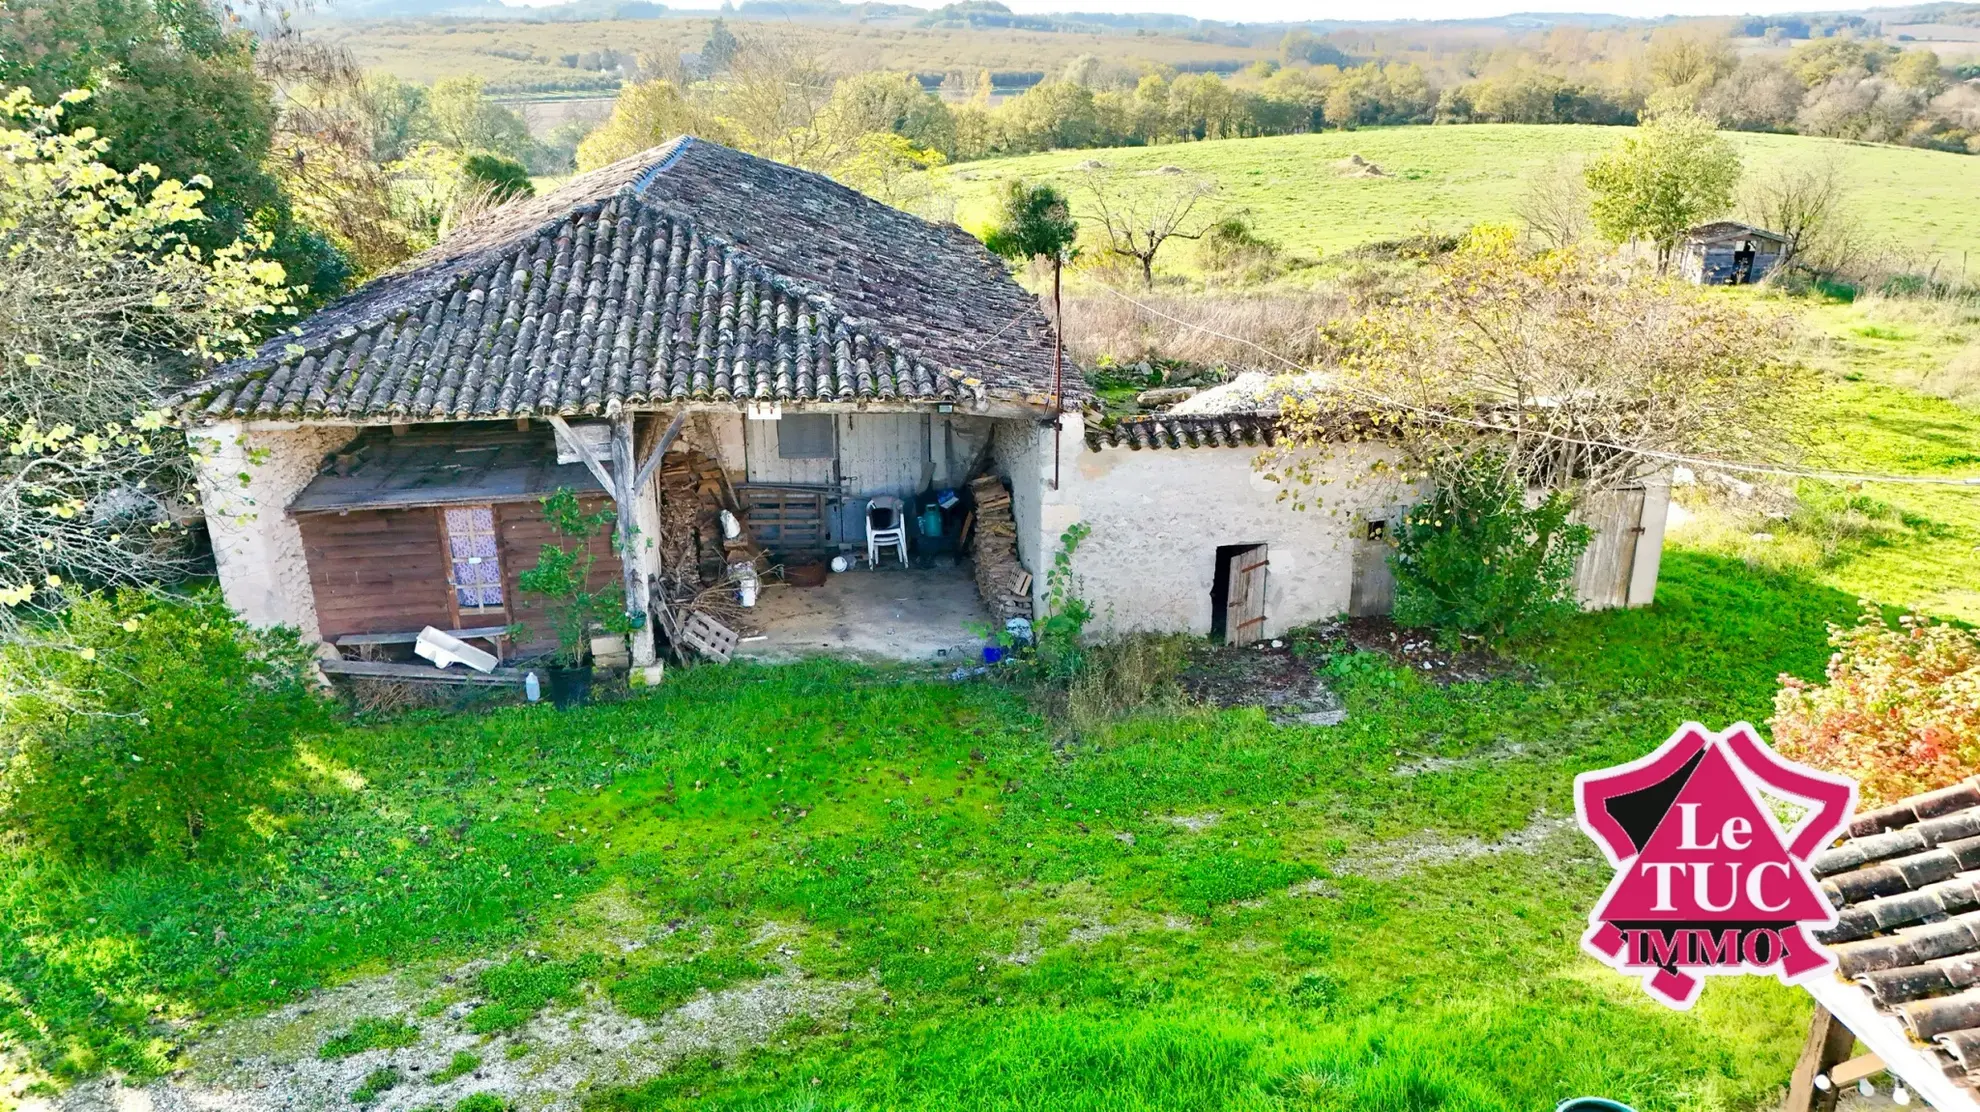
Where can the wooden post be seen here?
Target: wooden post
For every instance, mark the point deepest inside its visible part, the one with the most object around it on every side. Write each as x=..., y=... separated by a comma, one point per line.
x=632, y=553
x=1829, y=1043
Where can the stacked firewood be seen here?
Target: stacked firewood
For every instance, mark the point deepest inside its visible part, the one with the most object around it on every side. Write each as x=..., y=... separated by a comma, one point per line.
x=992, y=536
x=695, y=556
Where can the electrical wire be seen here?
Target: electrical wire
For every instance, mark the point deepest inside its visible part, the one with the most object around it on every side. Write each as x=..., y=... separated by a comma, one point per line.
x=1674, y=458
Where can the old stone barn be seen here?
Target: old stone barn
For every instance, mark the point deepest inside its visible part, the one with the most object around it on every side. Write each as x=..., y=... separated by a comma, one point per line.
x=759, y=370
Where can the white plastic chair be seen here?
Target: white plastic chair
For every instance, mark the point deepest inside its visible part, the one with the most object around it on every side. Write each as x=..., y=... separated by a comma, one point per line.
x=891, y=530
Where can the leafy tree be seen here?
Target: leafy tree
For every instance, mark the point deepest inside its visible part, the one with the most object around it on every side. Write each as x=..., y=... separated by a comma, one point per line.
x=465, y=120
x=176, y=89
x=504, y=179
x=889, y=103
x=646, y=115
x=105, y=304
x=1034, y=222
x=395, y=115
x=140, y=724
x=1919, y=71
x=1675, y=172
x=1301, y=46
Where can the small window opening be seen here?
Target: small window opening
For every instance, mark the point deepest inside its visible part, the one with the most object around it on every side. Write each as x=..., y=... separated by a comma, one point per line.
x=474, y=566
x=805, y=436
x=1378, y=528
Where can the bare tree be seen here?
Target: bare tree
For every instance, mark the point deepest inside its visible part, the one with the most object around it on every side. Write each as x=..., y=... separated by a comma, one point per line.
x=771, y=99
x=1808, y=203
x=1554, y=206
x=1137, y=220
x=1571, y=373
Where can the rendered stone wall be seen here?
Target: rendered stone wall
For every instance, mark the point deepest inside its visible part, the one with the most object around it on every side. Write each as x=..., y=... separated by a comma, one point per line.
x=1158, y=517
x=247, y=478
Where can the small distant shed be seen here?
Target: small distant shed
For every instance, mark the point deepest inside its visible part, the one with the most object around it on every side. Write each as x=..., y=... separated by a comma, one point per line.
x=1728, y=253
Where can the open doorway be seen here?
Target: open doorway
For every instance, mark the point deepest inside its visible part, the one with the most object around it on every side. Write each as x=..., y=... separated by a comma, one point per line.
x=1237, y=594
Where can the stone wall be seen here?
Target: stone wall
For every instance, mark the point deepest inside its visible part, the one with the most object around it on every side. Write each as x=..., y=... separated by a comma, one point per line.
x=246, y=481
x=1158, y=517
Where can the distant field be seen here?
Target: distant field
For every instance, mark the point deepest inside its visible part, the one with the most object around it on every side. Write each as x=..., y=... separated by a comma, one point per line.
x=1448, y=178
x=533, y=54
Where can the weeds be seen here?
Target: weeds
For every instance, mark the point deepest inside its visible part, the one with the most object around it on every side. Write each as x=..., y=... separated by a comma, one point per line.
x=1137, y=674
x=370, y=1033
x=375, y=1084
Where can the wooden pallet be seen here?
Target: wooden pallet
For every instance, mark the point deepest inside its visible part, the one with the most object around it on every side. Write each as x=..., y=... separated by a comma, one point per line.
x=708, y=637
x=785, y=520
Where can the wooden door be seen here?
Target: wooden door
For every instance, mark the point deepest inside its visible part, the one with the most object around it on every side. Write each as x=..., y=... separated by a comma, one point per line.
x=1601, y=579
x=1244, y=606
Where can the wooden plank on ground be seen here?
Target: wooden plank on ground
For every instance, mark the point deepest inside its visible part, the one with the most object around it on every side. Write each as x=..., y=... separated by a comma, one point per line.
x=423, y=673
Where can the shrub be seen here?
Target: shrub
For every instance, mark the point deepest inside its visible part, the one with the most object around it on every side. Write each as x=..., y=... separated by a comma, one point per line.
x=482, y=1102
x=1232, y=245
x=1476, y=561
x=370, y=1033
x=504, y=178
x=1899, y=711
x=143, y=722
x=462, y=1064
x=375, y=1083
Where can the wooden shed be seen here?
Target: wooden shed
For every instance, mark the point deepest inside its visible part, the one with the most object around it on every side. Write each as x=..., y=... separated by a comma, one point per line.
x=1728, y=253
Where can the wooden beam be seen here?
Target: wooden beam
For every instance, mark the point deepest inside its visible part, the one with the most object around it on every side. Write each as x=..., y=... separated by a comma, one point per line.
x=1856, y=1069
x=584, y=453
x=1829, y=1042
x=653, y=457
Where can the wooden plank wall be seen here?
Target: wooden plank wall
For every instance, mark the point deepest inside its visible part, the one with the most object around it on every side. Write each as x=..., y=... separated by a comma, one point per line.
x=376, y=571
x=523, y=533
x=385, y=571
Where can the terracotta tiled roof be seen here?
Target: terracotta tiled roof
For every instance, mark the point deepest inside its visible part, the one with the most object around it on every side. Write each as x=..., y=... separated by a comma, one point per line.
x=1729, y=229
x=689, y=272
x=1906, y=885
x=1219, y=430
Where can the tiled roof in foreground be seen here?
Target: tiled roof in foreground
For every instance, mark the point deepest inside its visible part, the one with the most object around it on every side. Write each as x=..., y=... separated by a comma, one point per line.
x=691, y=272
x=1220, y=430
x=1906, y=886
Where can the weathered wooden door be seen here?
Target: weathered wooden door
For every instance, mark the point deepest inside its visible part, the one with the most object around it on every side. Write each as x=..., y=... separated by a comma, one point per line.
x=1244, y=606
x=1602, y=578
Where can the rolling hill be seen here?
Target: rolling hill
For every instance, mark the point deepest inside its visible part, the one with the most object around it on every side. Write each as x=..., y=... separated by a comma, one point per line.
x=1447, y=178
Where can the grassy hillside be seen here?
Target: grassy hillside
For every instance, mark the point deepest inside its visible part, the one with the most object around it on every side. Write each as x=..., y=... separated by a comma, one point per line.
x=517, y=54
x=1448, y=178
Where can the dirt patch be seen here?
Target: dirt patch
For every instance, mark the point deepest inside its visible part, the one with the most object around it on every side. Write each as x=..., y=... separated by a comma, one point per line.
x=1196, y=824
x=1355, y=166
x=1270, y=675
x=1386, y=860
x=1418, y=649
x=270, y=1064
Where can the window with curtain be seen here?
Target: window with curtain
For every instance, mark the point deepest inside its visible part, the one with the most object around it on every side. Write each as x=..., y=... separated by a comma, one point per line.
x=473, y=565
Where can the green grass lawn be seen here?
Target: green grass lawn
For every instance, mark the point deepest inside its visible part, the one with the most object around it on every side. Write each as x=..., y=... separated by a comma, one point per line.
x=1025, y=925
x=1449, y=178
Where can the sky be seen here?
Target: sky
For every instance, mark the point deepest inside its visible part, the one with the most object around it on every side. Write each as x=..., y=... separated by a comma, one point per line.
x=1288, y=11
